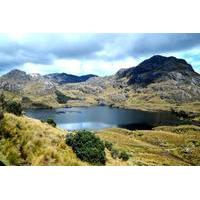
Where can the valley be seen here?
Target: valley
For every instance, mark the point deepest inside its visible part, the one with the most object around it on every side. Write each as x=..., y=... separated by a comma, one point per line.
x=159, y=84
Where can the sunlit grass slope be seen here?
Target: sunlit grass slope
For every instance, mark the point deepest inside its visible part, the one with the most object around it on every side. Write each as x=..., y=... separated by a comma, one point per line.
x=163, y=146
x=25, y=141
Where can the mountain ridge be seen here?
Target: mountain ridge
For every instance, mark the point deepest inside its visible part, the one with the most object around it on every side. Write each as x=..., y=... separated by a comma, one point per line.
x=157, y=81
x=154, y=68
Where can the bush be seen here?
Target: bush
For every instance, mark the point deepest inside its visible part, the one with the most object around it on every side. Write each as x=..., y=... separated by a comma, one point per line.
x=108, y=145
x=2, y=163
x=61, y=98
x=1, y=115
x=124, y=156
x=14, y=107
x=2, y=101
x=88, y=147
x=51, y=122
x=180, y=114
x=115, y=153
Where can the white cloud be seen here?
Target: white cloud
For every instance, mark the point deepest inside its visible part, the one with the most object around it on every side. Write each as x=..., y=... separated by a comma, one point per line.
x=101, y=54
x=80, y=67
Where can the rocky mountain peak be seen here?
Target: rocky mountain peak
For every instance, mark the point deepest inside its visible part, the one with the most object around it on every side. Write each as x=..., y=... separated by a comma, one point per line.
x=159, y=62
x=158, y=68
x=17, y=75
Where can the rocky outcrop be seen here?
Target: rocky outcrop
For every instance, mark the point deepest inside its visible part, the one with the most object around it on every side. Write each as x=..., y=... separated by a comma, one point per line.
x=164, y=78
x=171, y=78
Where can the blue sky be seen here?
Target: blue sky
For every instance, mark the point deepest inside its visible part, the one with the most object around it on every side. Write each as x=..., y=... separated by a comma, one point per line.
x=90, y=53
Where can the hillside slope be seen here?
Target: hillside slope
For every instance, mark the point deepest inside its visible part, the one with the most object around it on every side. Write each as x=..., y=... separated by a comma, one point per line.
x=26, y=141
x=168, y=145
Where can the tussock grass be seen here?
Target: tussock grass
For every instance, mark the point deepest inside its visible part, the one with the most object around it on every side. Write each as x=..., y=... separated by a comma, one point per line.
x=166, y=145
x=26, y=141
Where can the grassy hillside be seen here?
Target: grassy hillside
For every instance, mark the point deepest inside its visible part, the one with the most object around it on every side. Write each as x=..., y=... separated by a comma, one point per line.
x=162, y=146
x=25, y=141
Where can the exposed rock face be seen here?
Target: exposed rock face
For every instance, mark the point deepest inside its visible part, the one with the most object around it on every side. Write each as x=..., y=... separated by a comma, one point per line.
x=14, y=81
x=173, y=79
x=160, y=68
x=39, y=91
x=62, y=78
x=168, y=78
x=19, y=82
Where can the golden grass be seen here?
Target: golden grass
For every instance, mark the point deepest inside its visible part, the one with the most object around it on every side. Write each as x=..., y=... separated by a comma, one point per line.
x=28, y=141
x=163, y=146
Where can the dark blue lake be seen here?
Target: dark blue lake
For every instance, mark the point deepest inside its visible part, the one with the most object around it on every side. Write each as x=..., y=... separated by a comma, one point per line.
x=99, y=117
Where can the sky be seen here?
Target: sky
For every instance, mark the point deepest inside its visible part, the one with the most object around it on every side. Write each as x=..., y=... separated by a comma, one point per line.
x=92, y=53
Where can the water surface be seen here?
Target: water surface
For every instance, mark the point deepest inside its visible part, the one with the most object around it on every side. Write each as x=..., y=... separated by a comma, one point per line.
x=99, y=117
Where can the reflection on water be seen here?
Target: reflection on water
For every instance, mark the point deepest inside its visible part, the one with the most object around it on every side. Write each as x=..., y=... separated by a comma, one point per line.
x=99, y=117
x=86, y=125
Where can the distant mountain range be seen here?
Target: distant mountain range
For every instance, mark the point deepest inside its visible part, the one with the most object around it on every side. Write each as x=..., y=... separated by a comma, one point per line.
x=157, y=80
x=62, y=78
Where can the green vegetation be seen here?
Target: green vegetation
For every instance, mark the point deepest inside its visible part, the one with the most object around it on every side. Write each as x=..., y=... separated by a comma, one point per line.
x=115, y=153
x=124, y=156
x=10, y=106
x=1, y=115
x=108, y=145
x=2, y=101
x=61, y=98
x=87, y=147
x=26, y=141
x=180, y=113
x=2, y=164
x=14, y=107
x=51, y=122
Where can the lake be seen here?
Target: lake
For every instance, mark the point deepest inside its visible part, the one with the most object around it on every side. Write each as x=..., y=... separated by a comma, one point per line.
x=99, y=117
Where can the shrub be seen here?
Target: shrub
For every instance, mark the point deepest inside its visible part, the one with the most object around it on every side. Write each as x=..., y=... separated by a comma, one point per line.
x=2, y=101
x=61, y=98
x=181, y=113
x=115, y=153
x=14, y=107
x=124, y=156
x=1, y=115
x=2, y=163
x=88, y=147
x=108, y=145
x=51, y=122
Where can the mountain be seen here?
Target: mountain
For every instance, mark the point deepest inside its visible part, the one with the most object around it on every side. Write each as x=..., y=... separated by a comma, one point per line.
x=172, y=78
x=159, y=68
x=36, y=90
x=157, y=83
x=18, y=81
x=14, y=80
x=62, y=78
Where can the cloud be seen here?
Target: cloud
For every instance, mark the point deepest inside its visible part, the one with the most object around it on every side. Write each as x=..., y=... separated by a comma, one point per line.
x=149, y=44
x=79, y=67
x=98, y=53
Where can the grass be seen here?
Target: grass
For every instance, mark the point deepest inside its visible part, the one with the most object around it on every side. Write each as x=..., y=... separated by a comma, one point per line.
x=25, y=141
x=148, y=98
x=162, y=146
